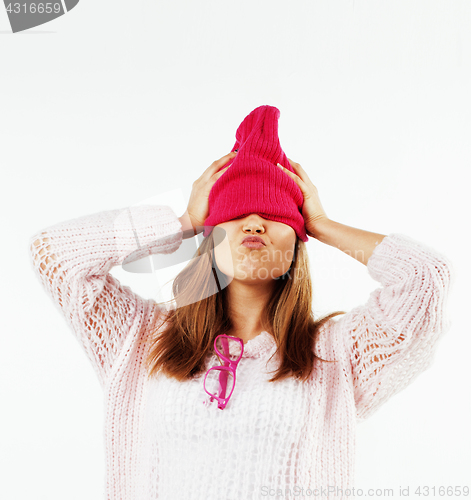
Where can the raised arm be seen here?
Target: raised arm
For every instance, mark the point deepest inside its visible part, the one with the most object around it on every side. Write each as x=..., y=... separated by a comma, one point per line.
x=73, y=260
x=357, y=243
x=391, y=339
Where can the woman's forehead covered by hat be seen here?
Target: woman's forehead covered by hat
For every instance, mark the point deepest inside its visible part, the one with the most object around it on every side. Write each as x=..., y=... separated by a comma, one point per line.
x=254, y=183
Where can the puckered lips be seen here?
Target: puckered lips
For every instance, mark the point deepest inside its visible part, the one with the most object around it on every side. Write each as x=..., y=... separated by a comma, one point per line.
x=253, y=242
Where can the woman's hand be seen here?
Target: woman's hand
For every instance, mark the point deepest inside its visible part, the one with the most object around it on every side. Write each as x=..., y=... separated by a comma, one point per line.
x=198, y=207
x=313, y=212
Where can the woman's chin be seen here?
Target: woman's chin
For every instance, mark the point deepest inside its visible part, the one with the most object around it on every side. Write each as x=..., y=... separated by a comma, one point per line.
x=260, y=275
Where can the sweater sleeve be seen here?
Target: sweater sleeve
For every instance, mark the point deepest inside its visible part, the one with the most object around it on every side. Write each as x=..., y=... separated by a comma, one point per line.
x=73, y=260
x=391, y=339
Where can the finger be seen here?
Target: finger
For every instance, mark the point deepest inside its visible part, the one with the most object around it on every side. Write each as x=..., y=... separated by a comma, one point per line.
x=221, y=172
x=300, y=171
x=216, y=165
x=288, y=172
x=296, y=166
x=296, y=179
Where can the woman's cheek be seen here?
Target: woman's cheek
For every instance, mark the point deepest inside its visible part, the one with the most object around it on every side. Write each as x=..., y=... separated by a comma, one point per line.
x=223, y=257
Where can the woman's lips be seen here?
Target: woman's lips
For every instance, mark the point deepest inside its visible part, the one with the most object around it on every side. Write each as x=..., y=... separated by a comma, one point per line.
x=253, y=244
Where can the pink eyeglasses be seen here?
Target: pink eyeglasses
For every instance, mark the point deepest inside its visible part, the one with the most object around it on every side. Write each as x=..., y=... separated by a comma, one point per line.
x=229, y=350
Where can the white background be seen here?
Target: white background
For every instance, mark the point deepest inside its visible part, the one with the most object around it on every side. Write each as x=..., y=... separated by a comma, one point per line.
x=119, y=102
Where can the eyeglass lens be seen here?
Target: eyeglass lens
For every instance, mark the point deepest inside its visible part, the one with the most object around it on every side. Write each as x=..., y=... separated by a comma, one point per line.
x=220, y=381
x=229, y=347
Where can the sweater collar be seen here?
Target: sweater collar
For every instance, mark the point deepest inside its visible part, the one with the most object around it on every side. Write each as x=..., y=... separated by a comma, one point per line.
x=260, y=345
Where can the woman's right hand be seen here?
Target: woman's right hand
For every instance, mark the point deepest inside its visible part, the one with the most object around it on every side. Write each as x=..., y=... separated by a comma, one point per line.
x=198, y=206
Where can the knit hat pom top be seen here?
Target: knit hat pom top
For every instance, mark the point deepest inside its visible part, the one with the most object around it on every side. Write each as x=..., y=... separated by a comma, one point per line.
x=254, y=184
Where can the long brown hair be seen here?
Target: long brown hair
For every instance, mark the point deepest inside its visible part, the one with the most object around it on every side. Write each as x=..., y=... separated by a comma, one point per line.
x=200, y=293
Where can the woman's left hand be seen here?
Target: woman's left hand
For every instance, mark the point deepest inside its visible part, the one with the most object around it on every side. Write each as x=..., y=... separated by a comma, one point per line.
x=313, y=212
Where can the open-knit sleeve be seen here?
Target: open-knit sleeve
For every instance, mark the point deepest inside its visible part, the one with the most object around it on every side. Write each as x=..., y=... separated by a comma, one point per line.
x=391, y=339
x=73, y=260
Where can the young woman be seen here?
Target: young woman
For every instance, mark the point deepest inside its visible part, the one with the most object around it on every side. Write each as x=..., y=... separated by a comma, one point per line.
x=236, y=391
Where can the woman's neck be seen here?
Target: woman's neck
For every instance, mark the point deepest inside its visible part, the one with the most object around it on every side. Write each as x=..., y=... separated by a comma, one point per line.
x=246, y=306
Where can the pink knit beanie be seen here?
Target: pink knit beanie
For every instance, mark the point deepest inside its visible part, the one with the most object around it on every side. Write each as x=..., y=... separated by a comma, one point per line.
x=254, y=184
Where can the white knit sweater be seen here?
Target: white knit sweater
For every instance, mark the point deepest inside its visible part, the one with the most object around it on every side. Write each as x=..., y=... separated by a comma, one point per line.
x=162, y=438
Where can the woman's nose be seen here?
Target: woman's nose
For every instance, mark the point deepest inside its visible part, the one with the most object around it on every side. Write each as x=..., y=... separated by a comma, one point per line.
x=254, y=228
